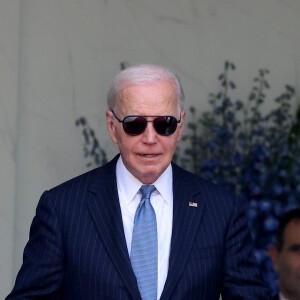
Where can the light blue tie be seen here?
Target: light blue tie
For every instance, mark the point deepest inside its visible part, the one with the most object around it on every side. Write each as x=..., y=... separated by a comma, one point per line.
x=144, y=246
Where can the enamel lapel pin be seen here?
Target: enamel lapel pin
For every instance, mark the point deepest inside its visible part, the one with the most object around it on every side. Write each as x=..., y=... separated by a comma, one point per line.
x=193, y=204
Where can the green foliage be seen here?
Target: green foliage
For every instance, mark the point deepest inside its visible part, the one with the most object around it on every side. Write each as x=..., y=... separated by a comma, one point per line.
x=250, y=153
x=92, y=150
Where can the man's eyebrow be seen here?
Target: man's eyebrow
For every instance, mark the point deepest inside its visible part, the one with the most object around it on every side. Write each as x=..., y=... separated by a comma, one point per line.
x=294, y=247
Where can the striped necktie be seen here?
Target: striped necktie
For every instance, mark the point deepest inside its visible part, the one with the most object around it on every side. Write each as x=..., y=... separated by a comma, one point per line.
x=144, y=246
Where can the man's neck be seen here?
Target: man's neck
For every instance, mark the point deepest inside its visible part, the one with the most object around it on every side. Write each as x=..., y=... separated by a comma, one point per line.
x=284, y=296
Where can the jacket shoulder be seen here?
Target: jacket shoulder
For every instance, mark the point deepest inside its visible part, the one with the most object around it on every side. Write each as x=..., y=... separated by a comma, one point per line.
x=183, y=176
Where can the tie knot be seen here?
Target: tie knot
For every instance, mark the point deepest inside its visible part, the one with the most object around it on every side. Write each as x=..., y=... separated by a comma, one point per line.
x=147, y=190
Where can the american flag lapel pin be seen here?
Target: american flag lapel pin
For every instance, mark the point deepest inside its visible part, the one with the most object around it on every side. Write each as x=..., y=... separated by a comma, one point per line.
x=193, y=204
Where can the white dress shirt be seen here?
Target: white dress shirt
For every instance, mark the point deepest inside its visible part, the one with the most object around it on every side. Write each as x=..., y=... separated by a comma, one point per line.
x=281, y=297
x=162, y=202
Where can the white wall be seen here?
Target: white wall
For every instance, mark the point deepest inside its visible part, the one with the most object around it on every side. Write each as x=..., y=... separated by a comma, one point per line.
x=58, y=57
x=9, y=74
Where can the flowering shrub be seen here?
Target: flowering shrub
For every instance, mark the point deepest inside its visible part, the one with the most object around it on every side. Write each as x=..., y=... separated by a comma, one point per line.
x=93, y=152
x=249, y=153
x=254, y=155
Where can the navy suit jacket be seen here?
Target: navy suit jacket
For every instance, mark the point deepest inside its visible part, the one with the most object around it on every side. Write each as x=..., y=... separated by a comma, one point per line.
x=77, y=247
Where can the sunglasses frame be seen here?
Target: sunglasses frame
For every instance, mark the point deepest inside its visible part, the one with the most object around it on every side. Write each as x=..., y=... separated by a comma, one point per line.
x=147, y=121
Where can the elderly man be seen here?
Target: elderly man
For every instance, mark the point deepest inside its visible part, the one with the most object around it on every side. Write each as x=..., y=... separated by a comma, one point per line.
x=140, y=227
x=285, y=255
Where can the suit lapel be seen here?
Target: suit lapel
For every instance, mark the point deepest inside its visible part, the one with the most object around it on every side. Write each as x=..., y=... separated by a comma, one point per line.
x=187, y=214
x=105, y=211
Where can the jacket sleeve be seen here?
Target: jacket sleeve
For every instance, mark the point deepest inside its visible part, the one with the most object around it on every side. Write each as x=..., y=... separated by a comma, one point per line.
x=242, y=278
x=42, y=272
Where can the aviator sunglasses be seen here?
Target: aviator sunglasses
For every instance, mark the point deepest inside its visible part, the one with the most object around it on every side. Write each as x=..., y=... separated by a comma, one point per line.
x=135, y=125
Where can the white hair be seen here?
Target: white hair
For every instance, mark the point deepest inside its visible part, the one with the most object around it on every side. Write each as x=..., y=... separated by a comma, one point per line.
x=140, y=75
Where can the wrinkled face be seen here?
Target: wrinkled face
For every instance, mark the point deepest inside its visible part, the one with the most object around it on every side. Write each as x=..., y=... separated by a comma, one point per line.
x=287, y=261
x=147, y=155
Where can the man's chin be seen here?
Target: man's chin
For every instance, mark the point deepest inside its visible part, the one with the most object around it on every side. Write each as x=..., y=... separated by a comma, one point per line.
x=147, y=177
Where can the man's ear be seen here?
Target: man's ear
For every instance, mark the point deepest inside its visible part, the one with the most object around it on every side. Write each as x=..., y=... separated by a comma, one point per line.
x=181, y=126
x=274, y=254
x=111, y=126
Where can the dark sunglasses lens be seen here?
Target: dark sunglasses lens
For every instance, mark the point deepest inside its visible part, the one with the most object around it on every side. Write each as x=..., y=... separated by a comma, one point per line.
x=165, y=125
x=134, y=125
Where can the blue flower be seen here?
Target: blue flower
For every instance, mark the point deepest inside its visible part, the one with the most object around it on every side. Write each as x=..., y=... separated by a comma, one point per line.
x=224, y=133
x=226, y=102
x=253, y=234
x=212, y=164
x=290, y=206
x=238, y=159
x=215, y=128
x=217, y=111
x=208, y=175
x=265, y=204
x=212, y=145
x=278, y=189
x=239, y=104
x=255, y=189
x=277, y=208
x=283, y=173
x=270, y=223
x=259, y=132
x=252, y=213
x=241, y=142
x=229, y=116
x=260, y=167
x=260, y=255
x=248, y=177
x=263, y=176
x=253, y=203
x=250, y=153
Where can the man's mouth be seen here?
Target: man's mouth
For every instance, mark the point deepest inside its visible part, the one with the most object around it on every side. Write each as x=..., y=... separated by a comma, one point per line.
x=148, y=155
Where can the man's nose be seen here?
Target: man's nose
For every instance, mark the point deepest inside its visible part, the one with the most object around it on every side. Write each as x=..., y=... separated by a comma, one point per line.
x=150, y=135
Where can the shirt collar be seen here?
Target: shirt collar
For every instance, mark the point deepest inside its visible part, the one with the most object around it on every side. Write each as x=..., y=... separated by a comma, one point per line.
x=130, y=185
x=281, y=297
x=164, y=184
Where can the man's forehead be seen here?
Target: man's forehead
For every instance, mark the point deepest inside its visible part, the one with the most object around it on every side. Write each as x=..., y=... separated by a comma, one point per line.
x=292, y=232
x=294, y=224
